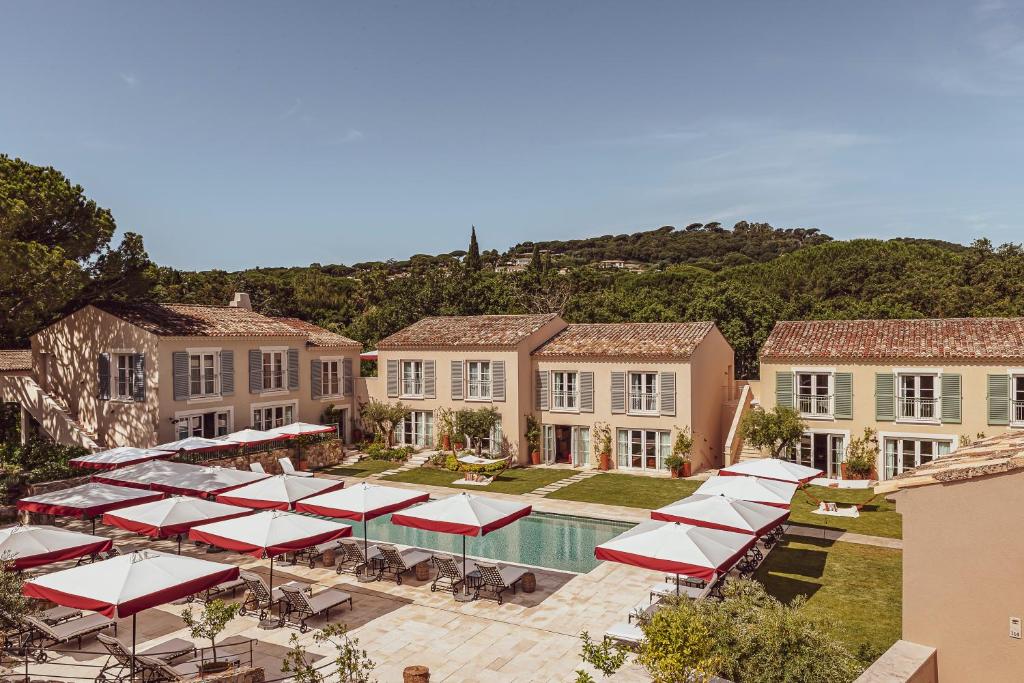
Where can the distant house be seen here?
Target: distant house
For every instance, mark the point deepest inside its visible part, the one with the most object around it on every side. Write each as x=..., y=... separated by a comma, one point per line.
x=515, y=264
x=621, y=264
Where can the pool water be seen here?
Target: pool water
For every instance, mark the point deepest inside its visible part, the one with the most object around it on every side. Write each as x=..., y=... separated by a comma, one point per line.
x=560, y=542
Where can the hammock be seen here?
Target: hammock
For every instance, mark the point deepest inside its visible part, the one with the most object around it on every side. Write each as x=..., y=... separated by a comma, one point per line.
x=836, y=511
x=822, y=504
x=477, y=460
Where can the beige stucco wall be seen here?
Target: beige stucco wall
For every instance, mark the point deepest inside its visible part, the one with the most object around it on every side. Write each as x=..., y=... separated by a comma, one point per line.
x=962, y=571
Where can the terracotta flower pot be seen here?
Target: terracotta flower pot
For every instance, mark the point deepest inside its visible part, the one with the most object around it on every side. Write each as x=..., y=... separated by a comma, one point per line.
x=605, y=462
x=535, y=458
x=446, y=443
x=458, y=445
x=687, y=468
x=674, y=472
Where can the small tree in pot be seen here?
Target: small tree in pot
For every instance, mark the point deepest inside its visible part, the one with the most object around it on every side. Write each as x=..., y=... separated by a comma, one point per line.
x=445, y=419
x=679, y=462
x=211, y=621
x=477, y=425
x=860, y=456
x=603, y=445
x=533, y=438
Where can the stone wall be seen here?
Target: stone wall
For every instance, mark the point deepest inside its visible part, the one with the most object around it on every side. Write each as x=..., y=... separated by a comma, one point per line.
x=245, y=674
x=315, y=456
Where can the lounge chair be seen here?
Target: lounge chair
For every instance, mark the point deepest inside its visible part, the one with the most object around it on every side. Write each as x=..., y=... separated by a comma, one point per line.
x=98, y=557
x=288, y=468
x=316, y=552
x=643, y=610
x=41, y=635
x=219, y=589
x=628, y=634
x=496, y=580
x=398, y=562
x=312, y=605
x=668, y=590
x=58, y=614
x=155, y=670
x=449, y=573
x=257, y=468
x=119, y=660
x=259, y=597
x=353, y=560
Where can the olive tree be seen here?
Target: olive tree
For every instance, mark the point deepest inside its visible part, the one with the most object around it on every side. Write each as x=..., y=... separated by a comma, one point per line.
x=772, y=430
x=477, y=424
x=382, y=417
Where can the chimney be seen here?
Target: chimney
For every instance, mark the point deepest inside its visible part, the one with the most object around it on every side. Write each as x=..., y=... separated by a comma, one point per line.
x=241, y=300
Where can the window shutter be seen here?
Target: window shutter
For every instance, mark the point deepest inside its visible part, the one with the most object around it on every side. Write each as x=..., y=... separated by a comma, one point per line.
x=541, y=399
x=316, y=378
x=618, y=392
x=392, y=379
x=586, y=392
x=255, y=371
x=346, y=377
x=784, y=389
x=668, y=393
x=951, y=398
x=293, y=369
x=842, y=407
x=179, y=359
x=429, y=379
x=999, y=399
x=227, y=373
x=885, y=396
x=457, y=380
x=139, y=368
x=498, y=380
x=103, y=377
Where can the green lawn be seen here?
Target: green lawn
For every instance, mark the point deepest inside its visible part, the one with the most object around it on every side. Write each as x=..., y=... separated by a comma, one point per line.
x=877, y=518
x=362, y=468
x=627, y=489
x=518, y=480
x=859, y=586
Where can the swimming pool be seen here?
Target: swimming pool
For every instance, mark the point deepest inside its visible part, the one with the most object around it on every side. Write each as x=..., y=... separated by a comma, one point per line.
x=543, y=539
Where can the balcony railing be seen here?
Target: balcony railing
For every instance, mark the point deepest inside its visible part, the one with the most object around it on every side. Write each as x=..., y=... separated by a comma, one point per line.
x=643, y=402
x=412, y=388
x=479, y=389
x=813, y=404
x=565, y=400
x=919, y=408
x=1017, y=412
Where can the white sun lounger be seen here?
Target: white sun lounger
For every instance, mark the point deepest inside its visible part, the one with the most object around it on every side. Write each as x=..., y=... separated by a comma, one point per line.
x=288, y=468
x=630, y=634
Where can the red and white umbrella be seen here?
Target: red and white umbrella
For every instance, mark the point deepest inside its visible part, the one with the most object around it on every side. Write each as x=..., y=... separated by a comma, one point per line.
x=682, y=549
x=30, y=546
x=723, y=512
x=180, y=478
x=197, y=444
x=250, y=437
x=464, y=514
x=280, y=492
x=296, y=429
x=86, y=501
x=171, y=516
x=125, y=585
x=122, y=456
x=767, y=491
x=772, y=468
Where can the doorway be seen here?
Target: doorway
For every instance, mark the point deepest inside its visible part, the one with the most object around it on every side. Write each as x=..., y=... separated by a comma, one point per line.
x=821, y=450
x=563, y=444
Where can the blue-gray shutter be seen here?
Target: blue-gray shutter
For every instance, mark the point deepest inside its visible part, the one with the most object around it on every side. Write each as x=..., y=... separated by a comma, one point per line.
x=227, y=373
x=457, y=382
x=139, y=368
x=392, y=379
x=316, y=376
x=429, y=379
x=885, y=396
x=293, y=369
x=255, y=371
x=346, y=377
x=103, y=377
x=498, y=380
x=842, y=406
x=618, y=392
x=179, y=361
x=586, y=392
x=667, y=400
x=950, y=410
x=999, y=399
x=784, y=389
x=542, y=390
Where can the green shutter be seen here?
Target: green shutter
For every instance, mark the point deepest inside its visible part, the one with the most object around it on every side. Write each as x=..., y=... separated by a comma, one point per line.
x=999, y=399
x=885, y=396
x=843, y=398
x=784, y=389
x=951, y=398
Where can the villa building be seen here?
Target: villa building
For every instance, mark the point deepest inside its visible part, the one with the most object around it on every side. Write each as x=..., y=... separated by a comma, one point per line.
x=924, y=386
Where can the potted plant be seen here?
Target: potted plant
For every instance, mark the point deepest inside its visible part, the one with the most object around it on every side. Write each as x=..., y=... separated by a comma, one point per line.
x=445, y=427
x=603, y=445
x=533, y=439
x=860, y=456
x=679, y=462
x=208, y=624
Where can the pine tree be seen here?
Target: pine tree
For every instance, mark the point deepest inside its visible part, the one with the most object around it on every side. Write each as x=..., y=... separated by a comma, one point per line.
x=473, y=256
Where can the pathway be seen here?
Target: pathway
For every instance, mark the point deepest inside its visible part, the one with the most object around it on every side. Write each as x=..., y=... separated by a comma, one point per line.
x=414, y=461
x=561, y=484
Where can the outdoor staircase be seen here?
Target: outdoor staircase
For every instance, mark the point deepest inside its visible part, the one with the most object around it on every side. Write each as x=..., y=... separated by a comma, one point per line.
x=52, y=414
x=748, y=452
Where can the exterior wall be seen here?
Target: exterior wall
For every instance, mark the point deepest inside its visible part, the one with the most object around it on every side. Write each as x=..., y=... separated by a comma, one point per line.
x=974, y=417
x=961, y=579
x=311, y=409
x=712, y=386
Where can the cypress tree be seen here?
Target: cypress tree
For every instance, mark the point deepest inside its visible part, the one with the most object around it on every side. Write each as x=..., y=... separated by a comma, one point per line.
x=473, y=256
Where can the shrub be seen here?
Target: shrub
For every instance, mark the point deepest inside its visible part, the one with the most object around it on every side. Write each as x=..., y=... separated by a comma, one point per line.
x=860, y=454
x=774, y=430
x=477, y=424
x=39, y=460
x=382, y=417
x=378, y=451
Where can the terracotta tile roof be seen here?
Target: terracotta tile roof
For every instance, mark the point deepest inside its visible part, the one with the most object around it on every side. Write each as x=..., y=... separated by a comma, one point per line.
x=188, y=320
x=15, y=360
x=471, y=330
x=318, y=336
x=994, y=455
x=959, y=338
x=666, y=340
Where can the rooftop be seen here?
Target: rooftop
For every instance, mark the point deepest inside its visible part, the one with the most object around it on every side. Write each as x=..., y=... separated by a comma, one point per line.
x=994, y=455
x=14, y=360
x=924, y=339
x=471, y=330
x=318, y=336
x=189, y=320
x=675, y=340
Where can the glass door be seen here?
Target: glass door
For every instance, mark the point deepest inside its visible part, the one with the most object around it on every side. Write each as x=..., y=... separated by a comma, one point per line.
x=580, y=446
x=836, y=452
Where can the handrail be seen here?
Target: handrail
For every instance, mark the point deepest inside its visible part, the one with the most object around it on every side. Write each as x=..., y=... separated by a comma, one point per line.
x=733, y=442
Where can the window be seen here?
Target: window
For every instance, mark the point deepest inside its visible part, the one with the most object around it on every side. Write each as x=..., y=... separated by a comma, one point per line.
x=330, y=378
x=416, y=430
x=479, y=386
x=903, y=454
x=565, y=394
x=643, y=392
x=813, y=394
x=202, y=375
x=268, y=417
x=124, y=381
x=1017, y=400
x=917, y=399
x=208, y=425
x=644, y=449
x=273, y=370
x=412, y=378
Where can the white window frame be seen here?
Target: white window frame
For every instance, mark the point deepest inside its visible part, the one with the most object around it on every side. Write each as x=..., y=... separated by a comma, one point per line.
x=228, y=411
x=479, y=389
x=916, y=400
x=272, y=405
x=422, y=432
x=819, y=406
x=649, y=401
x=662, y=448
x=566, y=399
x=1016, y=397
x=115, y=375
x=900, y=437
x=415, y=380
x=273, y=351
x=203, y=395
x=337, y=363
x=833, y=469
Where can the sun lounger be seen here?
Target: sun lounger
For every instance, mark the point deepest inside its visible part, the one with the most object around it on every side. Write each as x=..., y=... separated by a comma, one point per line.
x=495, y=580
x=353, y=560
x=835, y=511
x=155, y=670
x=316, y=552
x=257, y=468
x=259, y=597
x=119, y=660
x=643, y=610
x=42, y=635
x=58, y=614
x=98, y=557
x=219, y=589
x=449, y=573
x=668, y=590
x=288, y=468
x=398, y=562
x=312, y=605
x=628, y=634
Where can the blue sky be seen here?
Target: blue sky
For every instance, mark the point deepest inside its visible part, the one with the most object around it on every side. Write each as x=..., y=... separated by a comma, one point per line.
x=237, y=134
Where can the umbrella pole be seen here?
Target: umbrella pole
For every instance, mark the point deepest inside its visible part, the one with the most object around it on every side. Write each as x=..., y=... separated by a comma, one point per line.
x=133, y=648
x=179, y=544
x=677, y=585
x=93, y=526
x=271, y=574
x=464, y=596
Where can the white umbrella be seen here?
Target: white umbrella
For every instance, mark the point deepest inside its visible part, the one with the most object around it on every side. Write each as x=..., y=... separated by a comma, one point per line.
x=30, y=546
x=121, y=456
x=125, y=585
x=248, y=437
x=301, y=429
x=279, y=492
x=766, y=491
x=180, y=478
x=86, y=501
x=197, y=444
x=723, y=512
x=772, y=468
x=172, y=516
